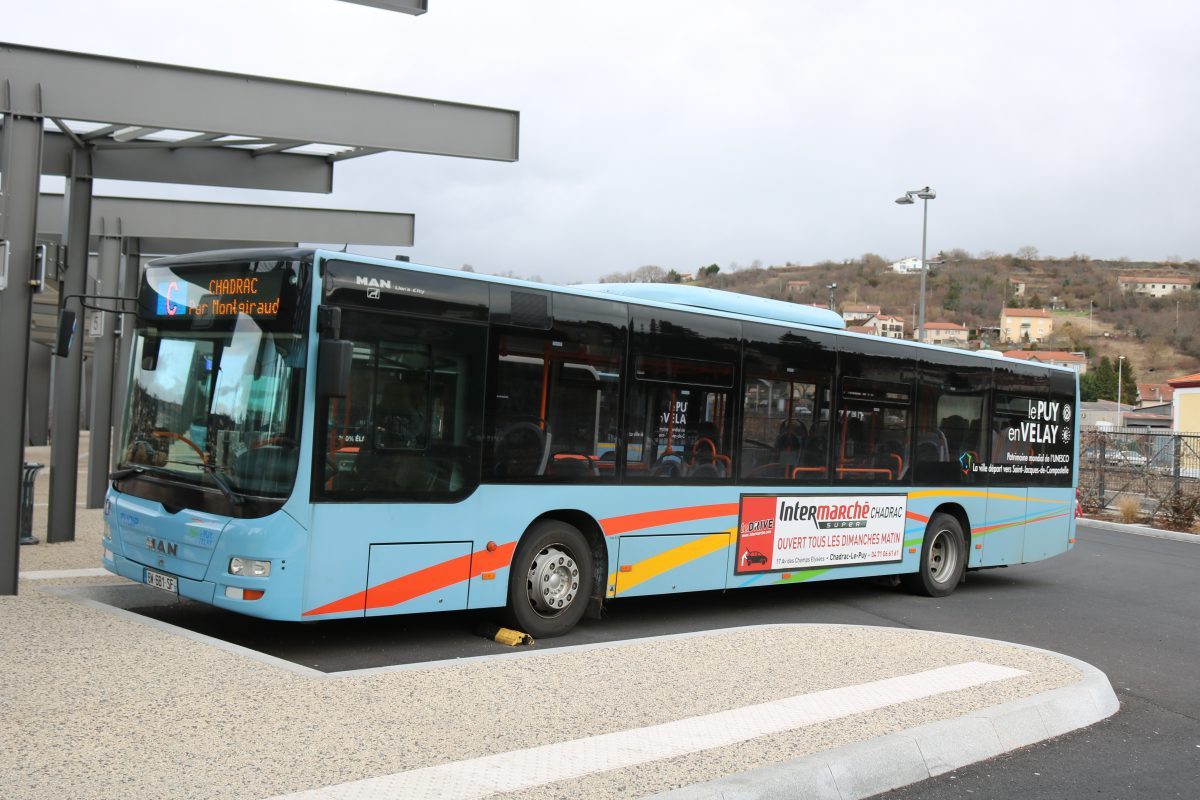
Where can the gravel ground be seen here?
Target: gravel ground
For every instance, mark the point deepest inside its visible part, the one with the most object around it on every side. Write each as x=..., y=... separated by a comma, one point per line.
x=138, y=711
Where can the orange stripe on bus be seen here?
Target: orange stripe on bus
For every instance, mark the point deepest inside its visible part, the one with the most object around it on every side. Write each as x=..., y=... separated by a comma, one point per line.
x=653, y=519
x=914, y=516
x=431, y=579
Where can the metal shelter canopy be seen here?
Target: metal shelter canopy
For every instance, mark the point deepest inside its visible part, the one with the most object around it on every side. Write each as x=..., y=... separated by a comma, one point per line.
x=414, y=7
x=148, y=106
x=130, y=120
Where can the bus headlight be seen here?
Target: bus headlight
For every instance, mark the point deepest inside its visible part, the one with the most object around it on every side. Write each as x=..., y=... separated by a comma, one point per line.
x=249, y=567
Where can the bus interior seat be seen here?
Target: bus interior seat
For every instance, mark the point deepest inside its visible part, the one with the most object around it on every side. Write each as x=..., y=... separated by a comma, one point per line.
x=670, y=465
x=571, y=465
x=789, y=445
x=522, y=450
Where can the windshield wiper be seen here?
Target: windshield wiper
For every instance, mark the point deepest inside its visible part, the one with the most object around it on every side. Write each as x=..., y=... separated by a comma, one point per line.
x=209, y=470
x=219, y=479
x=125, y=472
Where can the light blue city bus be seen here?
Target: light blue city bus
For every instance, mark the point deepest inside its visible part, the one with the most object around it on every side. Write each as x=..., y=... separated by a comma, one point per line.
x=313, y=435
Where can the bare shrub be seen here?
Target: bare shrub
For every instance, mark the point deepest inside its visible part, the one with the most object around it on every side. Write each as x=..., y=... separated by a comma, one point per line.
x=1130, y=509
x=1179, y=511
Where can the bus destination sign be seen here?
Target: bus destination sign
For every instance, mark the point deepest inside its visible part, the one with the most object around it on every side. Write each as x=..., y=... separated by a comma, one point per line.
x=221, y=297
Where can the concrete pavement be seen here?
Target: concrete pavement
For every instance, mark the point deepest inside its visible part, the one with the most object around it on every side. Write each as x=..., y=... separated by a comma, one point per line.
x=99, y=702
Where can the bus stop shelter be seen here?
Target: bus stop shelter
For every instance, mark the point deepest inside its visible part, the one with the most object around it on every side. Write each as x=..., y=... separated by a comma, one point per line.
x=87, y=117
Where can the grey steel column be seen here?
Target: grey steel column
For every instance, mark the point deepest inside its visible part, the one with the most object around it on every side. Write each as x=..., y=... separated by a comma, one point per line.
x=37, y=400
x=103, y=361
x=68, y=372
x=21, y=166
x=131, y=273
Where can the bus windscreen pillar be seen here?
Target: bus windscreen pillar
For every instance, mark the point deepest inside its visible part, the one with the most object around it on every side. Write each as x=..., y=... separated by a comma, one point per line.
x=20, y=169
x=68, y=370
x=103, y=363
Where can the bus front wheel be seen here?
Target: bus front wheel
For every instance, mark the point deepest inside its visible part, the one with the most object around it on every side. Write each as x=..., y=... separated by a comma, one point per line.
x=943, y=559
x=550, y=580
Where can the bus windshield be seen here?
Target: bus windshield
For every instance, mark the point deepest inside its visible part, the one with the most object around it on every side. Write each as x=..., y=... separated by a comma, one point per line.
x=218, y=373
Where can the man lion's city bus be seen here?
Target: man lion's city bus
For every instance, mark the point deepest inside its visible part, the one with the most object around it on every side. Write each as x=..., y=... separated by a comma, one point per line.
x=313, y=435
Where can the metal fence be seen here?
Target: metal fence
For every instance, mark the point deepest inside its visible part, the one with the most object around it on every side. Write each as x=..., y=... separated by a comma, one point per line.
x=1150, y=466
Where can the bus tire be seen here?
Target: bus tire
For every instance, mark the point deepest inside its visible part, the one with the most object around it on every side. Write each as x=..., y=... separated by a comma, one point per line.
x=943, y=559
x=550, y=580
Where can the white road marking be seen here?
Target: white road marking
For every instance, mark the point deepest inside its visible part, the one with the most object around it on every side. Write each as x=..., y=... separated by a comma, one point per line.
x=537, y=766
x=47, y=574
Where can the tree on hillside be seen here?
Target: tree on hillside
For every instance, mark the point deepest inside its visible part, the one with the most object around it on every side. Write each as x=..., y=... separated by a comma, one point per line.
x=709, y=271
x=1027, y=253
x=1087, y=387
x=649, y=273
x=953, y=295
x=1104, y=379
x=1101, y=383
x=674, y=277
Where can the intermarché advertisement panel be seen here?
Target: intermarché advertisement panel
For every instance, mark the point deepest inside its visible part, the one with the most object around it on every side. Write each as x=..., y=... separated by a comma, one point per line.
x=786, y=532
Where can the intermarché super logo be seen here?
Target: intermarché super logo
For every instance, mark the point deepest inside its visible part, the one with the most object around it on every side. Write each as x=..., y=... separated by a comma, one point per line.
x=833, y=516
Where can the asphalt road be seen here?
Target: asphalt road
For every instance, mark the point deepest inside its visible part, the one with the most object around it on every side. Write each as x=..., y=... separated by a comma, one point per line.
x=1127, y=604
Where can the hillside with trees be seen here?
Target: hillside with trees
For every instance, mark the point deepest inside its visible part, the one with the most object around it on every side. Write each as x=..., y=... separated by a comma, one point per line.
x=1092, y=314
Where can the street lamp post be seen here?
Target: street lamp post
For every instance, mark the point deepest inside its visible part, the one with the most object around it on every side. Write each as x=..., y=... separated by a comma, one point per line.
x=926, y=194
x=1120, y=370
x=831, y=287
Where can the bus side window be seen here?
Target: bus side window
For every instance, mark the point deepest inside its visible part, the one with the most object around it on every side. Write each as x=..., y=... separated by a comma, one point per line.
x=951, y=407
x=680, y=428
x=786, y=399
x=410, y=425
x=873, y=428
x=554, y=399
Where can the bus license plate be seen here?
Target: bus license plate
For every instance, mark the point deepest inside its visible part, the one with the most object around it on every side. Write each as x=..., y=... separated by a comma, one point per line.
x=168, y=583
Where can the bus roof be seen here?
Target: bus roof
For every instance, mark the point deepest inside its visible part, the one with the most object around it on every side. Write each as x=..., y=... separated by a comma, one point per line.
x=717, y=300
x=683, y=298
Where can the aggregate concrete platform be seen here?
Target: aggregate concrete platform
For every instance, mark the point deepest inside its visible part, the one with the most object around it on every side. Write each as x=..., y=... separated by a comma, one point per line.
x=100, y=703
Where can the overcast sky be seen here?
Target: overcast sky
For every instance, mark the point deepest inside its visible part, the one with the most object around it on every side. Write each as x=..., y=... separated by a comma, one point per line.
x=691, y=132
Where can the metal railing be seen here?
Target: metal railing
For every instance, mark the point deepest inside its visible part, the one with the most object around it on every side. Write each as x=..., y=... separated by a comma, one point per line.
x=1150, y=466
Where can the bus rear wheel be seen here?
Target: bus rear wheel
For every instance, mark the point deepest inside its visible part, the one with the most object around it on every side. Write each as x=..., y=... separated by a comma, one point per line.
x=943, y=559
x=550, y=580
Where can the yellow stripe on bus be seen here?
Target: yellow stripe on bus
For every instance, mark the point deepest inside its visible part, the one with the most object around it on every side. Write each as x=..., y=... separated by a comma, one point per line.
x=980, y=493
x=670, y=559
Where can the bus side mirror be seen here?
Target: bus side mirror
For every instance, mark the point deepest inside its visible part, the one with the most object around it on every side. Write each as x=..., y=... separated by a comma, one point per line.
x=66, y=332
x=150, y=346
x=334, y=357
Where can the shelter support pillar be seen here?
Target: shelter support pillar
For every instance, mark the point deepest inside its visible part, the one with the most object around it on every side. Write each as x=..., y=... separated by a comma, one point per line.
x=131, y=273
x=68, y=371
x=37, y=399
x=20, y=166
x=103, y=363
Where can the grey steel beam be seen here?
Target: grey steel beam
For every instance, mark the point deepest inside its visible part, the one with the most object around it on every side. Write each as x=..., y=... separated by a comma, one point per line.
x=20, y=164
x=103, y=364
x=184, y=219
x=414, y=7
x=70, y=214
x=155, y=246
x=159, y=95
x=215, y=166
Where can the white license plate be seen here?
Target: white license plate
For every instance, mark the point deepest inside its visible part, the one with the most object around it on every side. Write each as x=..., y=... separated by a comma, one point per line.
x=168, y=583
